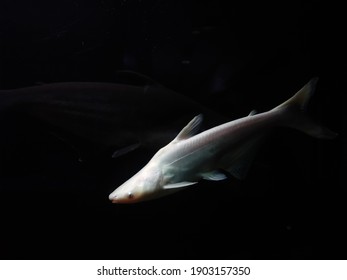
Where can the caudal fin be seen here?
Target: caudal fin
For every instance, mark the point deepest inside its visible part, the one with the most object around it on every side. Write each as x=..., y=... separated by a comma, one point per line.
x=294, y=113
x=7, y=99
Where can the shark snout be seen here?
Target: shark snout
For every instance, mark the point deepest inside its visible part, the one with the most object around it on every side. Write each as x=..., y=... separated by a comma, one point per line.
x=117, y=197
x=123, y=197
x=113, y=197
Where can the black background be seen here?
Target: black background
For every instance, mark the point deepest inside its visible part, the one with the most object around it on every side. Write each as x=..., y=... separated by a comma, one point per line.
x=230, y=56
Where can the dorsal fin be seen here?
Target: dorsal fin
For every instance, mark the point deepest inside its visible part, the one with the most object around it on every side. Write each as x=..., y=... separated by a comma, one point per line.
x=125, y=150
x=190, y=129
x=134, y=78
x=252, y=113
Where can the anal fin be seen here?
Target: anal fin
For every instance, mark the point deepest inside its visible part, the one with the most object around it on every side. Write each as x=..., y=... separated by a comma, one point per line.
x=239, y=161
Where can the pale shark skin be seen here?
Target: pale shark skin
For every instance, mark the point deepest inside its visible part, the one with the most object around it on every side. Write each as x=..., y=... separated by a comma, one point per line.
x=191, y=157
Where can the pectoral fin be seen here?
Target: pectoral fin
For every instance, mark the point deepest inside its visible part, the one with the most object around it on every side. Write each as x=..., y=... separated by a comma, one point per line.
x=178, y=185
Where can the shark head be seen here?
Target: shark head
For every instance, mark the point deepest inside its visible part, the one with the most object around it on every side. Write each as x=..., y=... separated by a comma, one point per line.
x=144, y=185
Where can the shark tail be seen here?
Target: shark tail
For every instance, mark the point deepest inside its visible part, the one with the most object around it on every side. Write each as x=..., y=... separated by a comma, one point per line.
x=293, y=113
x=6, y=99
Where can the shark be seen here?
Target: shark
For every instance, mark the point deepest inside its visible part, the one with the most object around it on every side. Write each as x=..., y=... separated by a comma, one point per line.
x=211, y=154
x=108, y=119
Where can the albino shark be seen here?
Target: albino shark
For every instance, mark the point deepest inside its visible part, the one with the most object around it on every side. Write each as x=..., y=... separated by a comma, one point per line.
x=191, y=157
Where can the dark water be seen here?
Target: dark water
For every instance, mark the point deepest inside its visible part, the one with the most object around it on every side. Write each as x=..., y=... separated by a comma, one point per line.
x=229, y=57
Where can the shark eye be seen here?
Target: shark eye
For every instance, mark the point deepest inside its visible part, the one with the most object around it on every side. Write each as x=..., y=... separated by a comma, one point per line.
x=130, y=195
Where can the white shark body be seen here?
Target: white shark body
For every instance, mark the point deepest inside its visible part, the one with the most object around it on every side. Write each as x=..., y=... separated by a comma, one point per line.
x=191, y=157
